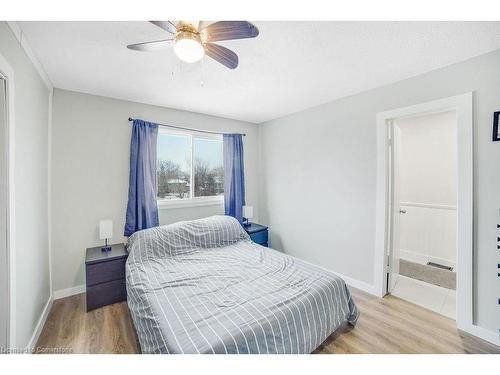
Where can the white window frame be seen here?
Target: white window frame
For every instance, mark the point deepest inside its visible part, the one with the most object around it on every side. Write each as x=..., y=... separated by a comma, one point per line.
x=193, y=201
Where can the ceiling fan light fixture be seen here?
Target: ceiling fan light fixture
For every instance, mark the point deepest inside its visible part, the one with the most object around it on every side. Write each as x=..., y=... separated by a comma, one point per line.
x=194, y=39
x=188, y=47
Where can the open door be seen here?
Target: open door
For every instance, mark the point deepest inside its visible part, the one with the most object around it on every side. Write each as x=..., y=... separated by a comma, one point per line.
x=394, y=209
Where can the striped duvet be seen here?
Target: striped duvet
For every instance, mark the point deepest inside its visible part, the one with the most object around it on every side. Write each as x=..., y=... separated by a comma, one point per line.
x=203, y=287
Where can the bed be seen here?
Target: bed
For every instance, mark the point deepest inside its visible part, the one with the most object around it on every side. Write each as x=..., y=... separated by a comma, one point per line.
x=203, y=287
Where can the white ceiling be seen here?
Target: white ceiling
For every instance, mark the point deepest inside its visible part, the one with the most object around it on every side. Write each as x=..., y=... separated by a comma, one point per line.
x=290, y=66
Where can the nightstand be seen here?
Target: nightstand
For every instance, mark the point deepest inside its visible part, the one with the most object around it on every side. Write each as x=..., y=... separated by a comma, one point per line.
x=258, y=233
x=105, y=276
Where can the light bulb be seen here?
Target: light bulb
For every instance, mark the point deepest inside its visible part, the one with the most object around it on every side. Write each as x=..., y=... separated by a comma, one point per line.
x=188, y=50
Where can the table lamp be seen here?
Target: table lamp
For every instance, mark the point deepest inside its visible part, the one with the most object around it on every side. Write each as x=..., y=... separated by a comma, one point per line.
x=247, y=215
x=105, y=232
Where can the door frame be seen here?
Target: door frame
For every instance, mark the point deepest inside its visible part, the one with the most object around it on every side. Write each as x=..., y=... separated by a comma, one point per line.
x=462, y=104
x=392, y=219
x=8, y=73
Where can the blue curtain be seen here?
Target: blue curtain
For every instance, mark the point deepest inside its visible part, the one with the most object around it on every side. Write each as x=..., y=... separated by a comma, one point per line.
x=142, y=209
x=234, y=178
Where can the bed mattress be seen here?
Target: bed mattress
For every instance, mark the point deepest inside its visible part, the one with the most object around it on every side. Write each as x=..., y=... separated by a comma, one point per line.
x=203, y=287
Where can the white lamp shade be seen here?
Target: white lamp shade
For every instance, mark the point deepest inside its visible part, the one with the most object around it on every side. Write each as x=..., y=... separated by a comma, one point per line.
x=105, y=229
x=247, y=212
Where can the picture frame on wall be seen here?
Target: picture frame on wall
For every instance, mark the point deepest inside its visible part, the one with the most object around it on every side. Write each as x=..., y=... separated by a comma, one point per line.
x=496, y=134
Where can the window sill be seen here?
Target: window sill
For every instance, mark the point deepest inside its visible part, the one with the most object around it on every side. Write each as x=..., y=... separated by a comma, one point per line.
x=193, y=202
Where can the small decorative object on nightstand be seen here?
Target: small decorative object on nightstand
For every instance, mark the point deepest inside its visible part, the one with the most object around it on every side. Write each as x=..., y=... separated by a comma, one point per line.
x=105, y=233
x=258, y=233
x=247, y=215
x=105, y=276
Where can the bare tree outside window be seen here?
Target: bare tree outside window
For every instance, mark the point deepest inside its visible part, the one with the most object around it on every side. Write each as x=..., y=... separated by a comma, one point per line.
x=174, y=173
x=173, y=183
x=173, y=167
x=208, y=168
x=208, y=181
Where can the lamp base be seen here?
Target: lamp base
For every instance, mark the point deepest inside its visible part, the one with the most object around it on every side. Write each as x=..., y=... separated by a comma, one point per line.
x=246, y=222
x=106, y=248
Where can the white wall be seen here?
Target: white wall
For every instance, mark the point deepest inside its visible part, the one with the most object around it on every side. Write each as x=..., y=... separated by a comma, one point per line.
x=32, y=274
x=428, y=159
x=428, y=187
x=319, y=175
x=90, y=172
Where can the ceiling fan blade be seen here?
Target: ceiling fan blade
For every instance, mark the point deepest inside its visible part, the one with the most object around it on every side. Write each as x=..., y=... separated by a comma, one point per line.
x=165, y=25
x=222, y=54
x=203, y=24
x=154, y=45
x=227, y=30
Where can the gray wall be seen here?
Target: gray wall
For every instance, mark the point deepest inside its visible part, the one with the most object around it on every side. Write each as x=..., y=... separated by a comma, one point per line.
x=319, y=175
x=31, y=187
x=90, y=171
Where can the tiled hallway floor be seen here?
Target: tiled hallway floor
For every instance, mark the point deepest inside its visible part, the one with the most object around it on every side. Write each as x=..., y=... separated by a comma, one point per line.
x=432, y=297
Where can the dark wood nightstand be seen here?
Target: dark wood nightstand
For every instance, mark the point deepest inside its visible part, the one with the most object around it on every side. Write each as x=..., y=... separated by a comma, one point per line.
x=105, y=276
x=258, y=233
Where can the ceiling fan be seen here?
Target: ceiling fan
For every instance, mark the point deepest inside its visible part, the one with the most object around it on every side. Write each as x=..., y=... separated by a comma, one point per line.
x=192, y=40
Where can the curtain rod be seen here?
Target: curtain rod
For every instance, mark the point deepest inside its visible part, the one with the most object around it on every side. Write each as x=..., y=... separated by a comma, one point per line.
x=192, y=129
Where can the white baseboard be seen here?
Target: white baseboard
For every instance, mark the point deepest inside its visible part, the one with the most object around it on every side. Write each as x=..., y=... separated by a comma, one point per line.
x=483, y=333
x=46, y=310
x=58, y=294
x=364, y=286
x=40, y=324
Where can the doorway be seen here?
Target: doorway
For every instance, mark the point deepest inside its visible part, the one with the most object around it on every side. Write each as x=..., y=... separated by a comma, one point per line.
x=423, y=201
x=385, y=263
x=4, y=258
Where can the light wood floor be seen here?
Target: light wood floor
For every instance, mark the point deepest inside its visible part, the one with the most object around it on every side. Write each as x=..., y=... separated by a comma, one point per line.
x=388, y=325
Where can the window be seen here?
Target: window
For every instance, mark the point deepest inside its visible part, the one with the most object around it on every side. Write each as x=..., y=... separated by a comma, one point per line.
x=189, y=167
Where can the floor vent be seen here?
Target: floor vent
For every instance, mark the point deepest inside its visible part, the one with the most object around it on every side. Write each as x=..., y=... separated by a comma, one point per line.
x=432, y=273
x=437, y=265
